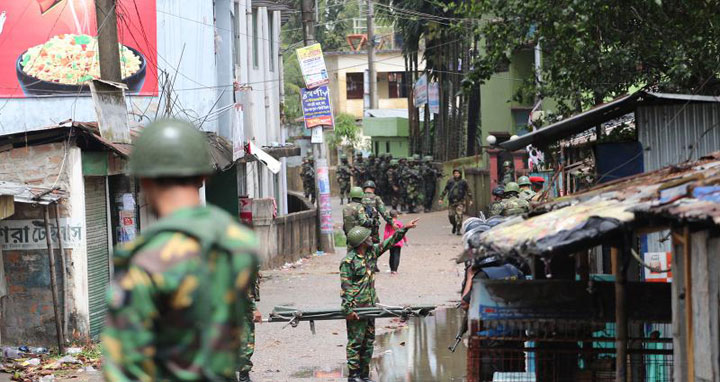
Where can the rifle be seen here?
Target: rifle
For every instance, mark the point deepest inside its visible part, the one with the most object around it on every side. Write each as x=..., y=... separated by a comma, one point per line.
x=461, y=332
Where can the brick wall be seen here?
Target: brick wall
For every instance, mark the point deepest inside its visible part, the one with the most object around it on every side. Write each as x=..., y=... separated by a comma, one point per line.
x=35, y=165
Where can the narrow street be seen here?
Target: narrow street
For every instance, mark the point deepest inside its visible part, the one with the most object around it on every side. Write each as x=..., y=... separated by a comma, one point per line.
x=427, y=275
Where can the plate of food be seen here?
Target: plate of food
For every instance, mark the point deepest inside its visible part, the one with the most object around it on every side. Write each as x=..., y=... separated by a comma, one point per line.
x=66, y=63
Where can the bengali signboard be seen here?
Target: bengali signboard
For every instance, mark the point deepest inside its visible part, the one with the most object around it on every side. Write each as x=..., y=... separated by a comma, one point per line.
x=316, y=107
x=49, y=47
x=434, y=98
x=30, y=234
x=658, y=261
x=323, y=185
x=312, y=65
x=420, y=91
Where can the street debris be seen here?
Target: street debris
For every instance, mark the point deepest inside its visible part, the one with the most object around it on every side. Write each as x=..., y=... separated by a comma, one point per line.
x=41, y=366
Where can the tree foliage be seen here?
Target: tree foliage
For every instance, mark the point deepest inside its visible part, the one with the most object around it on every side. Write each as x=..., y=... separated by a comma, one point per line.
x=347, y=132
x=593, y=50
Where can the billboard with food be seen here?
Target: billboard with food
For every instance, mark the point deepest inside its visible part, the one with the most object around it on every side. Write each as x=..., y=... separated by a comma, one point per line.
x=49, y=47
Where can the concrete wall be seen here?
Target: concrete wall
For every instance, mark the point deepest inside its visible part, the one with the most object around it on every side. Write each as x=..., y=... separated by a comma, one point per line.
x=27, y=314
x=285, y=238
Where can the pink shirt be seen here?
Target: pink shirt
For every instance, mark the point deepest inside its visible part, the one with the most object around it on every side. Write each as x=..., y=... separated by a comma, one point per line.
x=389, y=231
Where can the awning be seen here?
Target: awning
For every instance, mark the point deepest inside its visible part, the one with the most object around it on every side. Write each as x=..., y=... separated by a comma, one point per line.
x=689, y=192
x=597, y=115
x=23, y=193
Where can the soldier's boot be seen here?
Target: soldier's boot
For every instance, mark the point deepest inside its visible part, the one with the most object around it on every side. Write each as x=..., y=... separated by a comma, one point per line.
x=244, y=377
x=355, y=377
x=452, y=222
x=341, y=201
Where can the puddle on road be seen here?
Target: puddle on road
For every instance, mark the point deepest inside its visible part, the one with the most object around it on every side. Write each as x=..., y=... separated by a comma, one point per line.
x=417, y=353
x=420, y=352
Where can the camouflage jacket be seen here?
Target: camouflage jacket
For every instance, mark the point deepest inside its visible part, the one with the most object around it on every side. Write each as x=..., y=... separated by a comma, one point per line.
x=527, y=194
x=393, y=178
x=179, y=298
x=354, y=215
x=496, y=208
x=456, y=190
x=357, y=278
x=515, y=206
x=308, y=171
x=373, y=201
x=344, y=173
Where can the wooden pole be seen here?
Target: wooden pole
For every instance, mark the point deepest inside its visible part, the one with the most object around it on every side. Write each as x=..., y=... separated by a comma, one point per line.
x=621, y=337
x=53, y=284
x=689, y=332
x=108, y=51
x=63, y=264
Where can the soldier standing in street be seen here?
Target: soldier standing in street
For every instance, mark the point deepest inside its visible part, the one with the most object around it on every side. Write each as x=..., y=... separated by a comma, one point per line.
x=430, y=176
x=357, y=280
x=358, y=169
x=402, y=176
x=308, y=177
x=394, y=184
x=343, y=174
x=526, y=193
x=247, y=343
x=354, y=213
x=496, y=207
x=375, y=209
x=415, y=191
x=513, y=204
x=508, y=174
x=458, y=192
x=178, y=301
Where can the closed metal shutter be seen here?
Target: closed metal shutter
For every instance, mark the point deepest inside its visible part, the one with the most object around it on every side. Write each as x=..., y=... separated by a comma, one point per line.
x=98, y=253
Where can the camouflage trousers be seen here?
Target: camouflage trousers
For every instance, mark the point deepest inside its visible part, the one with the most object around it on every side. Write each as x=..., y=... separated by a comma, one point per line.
x=247, y=344
x=361, y=339
x=345, y=190
x=455, y=214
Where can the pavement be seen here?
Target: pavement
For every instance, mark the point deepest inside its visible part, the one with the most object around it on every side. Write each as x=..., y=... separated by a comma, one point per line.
x=427, y=275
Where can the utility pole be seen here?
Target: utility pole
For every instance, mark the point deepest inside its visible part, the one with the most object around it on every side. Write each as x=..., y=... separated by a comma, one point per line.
x=371, y=54
x=326, y=241
x=108, y=50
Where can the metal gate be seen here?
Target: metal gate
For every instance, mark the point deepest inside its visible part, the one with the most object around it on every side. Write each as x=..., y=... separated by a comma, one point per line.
x=98, y=253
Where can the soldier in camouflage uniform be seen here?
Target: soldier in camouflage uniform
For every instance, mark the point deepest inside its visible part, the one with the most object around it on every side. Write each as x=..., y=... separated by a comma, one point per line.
x=381, y=177
x=178, y=301
x=359, y=170
x=308, y=178
x=247, y=348
x=496, y=208
x=357, y=280
x=526, y=193
x=402, y=170
x=415, y=191
x=343, y=173
x=393, y=175
x=354, y=213
x=458, y=192
x=430, y=175
x=508, y=173
x=375, y=209
x=513, y=204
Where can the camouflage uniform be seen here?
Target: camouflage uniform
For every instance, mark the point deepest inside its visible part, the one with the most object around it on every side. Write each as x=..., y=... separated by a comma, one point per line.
x=515, y=206
x=402, y=177
x=508, y=175
x=357, y=279
x=248, y=334
x=496, y=208
x=393, y=176
x=376, y=210
x=527, y=194
x=308, y=178
x=178, y=300
x=354, y=214
x=415, y=191
x=430, y=175
x=359, y=171
x=343, y=176
x=457, y=192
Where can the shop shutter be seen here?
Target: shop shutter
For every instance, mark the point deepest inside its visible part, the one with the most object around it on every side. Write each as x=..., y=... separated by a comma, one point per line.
x=98, y=253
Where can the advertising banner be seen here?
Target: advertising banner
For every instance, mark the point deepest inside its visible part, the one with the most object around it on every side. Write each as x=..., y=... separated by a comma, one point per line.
x=30, y=234
x=659, y=261
x=323, y=187
x=49, y=47
x=316, y=107
x=312, y=65
x=420, y=91
x=434, y=98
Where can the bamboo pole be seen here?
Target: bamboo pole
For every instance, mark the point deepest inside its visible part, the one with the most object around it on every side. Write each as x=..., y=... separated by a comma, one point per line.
x=53, y=283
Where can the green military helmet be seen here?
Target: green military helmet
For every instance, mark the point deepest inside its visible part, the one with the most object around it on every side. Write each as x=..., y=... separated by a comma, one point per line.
x=394, y=162
x=512, y=187
x=524, y=181
x=356, y=193
x=428, y=158
x=343, y=158
x=507, y=163
x=369, y=184
x=170, y=148
x=358, y=235
x=390, y=156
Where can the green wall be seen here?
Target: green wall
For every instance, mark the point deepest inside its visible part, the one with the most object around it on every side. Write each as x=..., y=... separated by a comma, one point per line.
x=386, y=127
x=222, y=190
x=399, y=146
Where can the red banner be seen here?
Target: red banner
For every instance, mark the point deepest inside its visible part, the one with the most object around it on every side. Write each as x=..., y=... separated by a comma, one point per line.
x=48, y=47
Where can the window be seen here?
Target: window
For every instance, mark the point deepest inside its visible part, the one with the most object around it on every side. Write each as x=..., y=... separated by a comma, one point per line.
x=387, y=146
x=271, y=33
x=397, y=85
x=256, y=38
x=377, y=147
x=355, y=85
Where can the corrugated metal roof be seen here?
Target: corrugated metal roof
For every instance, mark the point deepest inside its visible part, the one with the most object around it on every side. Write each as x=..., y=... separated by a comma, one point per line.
x=24, y=193
x=688, y=191
x=597, y=115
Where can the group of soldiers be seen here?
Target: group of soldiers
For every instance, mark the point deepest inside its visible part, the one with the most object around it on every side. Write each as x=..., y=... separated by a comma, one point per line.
x=514, y=198
x=405, y=183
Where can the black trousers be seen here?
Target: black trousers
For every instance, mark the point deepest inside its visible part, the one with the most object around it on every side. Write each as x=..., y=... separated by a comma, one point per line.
x=394, y=258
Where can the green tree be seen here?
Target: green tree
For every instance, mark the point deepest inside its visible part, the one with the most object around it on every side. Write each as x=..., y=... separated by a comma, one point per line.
x=594, y=50
x=346, y=134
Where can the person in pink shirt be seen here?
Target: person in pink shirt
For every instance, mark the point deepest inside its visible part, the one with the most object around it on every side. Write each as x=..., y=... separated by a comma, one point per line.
x=395, y=250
